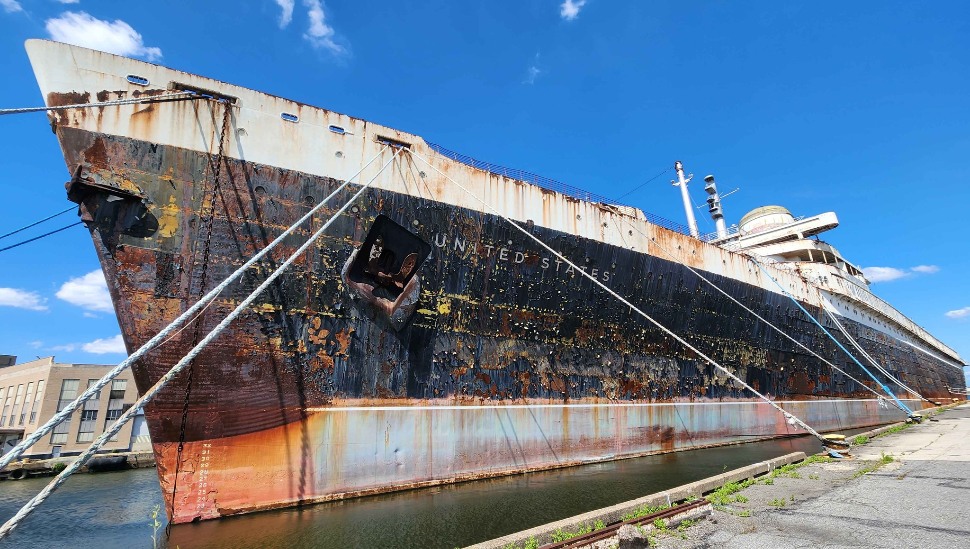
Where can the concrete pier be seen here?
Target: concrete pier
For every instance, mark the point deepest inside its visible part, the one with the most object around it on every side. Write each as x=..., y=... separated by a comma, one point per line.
x=917, y=497
x=26, y=468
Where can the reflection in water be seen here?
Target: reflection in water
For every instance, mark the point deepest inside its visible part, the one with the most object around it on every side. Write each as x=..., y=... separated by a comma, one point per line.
x=112, y=509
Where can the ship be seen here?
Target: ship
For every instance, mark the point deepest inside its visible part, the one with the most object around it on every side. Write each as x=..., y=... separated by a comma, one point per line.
x=457, y=320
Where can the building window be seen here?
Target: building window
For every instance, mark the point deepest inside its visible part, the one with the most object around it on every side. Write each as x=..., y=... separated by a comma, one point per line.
x=28, y=401
x=68, y=394
x=36, y=405
x=116, y=403
x=6, y=406
x=118, y=387
x=89, y=418
x=16, y=402
x=89, y=415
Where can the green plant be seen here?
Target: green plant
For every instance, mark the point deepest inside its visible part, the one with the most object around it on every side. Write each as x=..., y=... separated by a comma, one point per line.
x=744, y=513
x=861, y=439
x=722, y=496
x=778, y=502
x=740, y=499
x=156, y=524
x=768, y=481
x=531, y=543
x=563, y=535
x=660, y=525
x=643, y=511
x=58, y=467
x=599, y=525
x=813, y=477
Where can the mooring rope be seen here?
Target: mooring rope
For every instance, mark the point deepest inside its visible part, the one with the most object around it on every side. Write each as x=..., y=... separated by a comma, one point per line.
x=832, y=337
x=872, y=360
x=756, y=315
x=160, y=384
x=35, y=223
x=177, y=96
x=45, y=235
x=789, y=416
x=166, y=332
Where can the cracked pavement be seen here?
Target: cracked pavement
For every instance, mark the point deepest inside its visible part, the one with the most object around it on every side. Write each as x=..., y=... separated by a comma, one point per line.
x=917, y=500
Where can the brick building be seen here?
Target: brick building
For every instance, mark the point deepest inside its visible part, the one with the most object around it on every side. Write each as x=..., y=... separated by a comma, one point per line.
x=32, y=392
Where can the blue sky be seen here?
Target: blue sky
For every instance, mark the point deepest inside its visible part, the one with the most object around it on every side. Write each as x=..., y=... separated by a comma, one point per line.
x=860, y=108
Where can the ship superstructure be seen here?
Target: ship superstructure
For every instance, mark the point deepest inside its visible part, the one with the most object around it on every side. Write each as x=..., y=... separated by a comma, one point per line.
x=424, y=339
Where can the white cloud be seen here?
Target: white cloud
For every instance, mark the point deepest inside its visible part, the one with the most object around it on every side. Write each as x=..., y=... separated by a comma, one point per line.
x=89, y=291
x=11, y=6
x=117, y=37
x=569, y=10
x=21, y=299
x=887, y=274
x=36, y=344
x=320, y=34
x=959, y=313
x=69, y=1
x=111, y=345
x=532, y=74
x=883, y=274
x=287, y=14
x=67, y=348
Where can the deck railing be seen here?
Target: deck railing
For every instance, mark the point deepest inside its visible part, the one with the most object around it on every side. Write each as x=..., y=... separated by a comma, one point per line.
x=550, y=184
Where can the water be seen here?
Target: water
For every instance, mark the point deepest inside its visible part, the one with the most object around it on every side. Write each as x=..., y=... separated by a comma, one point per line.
x=112, y=509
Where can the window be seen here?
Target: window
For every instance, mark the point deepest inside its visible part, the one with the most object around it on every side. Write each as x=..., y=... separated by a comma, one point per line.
x=118, y=387
x=6, y=407
x=68, y=394
x=37, y=397
x=89, y=415
x=89, y=419
x=27, y=403
x=116, y=403
x=16, y=402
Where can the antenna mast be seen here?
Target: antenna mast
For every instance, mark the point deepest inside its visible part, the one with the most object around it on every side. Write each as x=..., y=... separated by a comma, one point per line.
x=714, y=206
x=682, y=183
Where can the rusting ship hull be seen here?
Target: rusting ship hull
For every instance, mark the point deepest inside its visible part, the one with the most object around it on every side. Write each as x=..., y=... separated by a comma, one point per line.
x=422, y=340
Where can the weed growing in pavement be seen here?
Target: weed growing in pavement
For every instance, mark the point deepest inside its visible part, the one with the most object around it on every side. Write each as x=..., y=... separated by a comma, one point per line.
x=744, y=513
x=722, y=496
x=874, y=466
x=861, y=439
x=643, y=511
x=563, y=535
x=778, y=502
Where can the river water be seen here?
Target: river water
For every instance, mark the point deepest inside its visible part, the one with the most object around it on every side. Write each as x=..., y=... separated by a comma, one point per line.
x=112, y=509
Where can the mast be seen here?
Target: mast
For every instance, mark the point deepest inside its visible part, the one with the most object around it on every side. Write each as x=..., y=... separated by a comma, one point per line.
x=714, y=206
x=682, y=183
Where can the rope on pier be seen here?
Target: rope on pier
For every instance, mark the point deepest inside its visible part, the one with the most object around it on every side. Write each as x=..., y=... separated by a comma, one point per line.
x=899, y=403
x=166, y=332
x=177, y=96
x=160, y=384
x=668, y=331
x=759, y=317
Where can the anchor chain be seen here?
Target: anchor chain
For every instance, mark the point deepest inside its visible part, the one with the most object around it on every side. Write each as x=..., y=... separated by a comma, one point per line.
x=215, y=166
